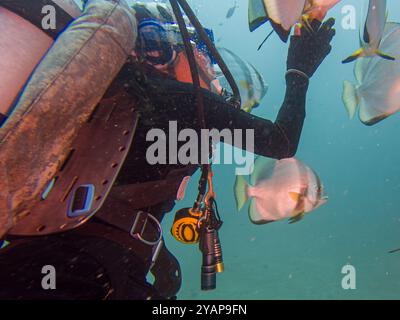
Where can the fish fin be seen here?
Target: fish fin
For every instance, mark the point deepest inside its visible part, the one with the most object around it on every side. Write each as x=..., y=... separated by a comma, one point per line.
x=372, y=121
x=252, y=211
x=360, y=35
x=262, y=169
x=297, y=218
x=350, y=98
x=366, y=36
x=247, y=108
x=358, y=54
x=254, y=216
x=385, y=56
x=266, y=39
x=281, y=32
x=296, y=197
x=244, y=84
x=321, y=202
x=241, y=195
x=257, y=14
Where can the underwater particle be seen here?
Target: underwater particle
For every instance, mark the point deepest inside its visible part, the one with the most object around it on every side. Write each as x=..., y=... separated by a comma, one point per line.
x=290, y=276
x=253, y=239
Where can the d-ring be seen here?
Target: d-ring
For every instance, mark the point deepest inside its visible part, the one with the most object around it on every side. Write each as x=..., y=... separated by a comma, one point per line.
x=138, y=235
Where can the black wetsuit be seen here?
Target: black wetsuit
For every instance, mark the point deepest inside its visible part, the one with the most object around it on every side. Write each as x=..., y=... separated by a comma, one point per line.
x=165, y=100
x=107, y=269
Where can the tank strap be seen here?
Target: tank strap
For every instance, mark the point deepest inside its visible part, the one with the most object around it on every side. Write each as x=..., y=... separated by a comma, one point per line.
x=32, y=11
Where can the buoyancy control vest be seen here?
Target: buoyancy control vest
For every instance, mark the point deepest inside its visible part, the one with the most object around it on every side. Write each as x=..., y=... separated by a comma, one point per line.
x=53, y=112
x=83, y=180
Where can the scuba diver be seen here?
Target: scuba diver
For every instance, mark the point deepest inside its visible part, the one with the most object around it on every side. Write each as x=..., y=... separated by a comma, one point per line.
x=109, y=255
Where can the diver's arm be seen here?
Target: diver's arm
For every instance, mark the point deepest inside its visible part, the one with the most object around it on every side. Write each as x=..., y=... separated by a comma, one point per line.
x=289, y=123
x=277, y=139
x=281, y=139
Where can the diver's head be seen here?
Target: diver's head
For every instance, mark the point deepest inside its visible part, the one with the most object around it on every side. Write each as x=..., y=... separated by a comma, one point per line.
x=154, y=45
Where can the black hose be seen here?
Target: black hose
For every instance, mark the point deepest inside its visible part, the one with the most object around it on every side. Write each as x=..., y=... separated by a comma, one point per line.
x=192, y=62
x=213, y=50
x=197, y=86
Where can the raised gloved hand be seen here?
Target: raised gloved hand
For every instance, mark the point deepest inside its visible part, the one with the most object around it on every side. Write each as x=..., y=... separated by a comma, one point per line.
x=308, y=50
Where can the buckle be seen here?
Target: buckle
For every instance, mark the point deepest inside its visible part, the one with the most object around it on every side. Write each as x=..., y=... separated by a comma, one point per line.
x=138, y=235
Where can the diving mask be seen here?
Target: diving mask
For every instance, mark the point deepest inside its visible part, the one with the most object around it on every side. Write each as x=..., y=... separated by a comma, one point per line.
x=155, y=46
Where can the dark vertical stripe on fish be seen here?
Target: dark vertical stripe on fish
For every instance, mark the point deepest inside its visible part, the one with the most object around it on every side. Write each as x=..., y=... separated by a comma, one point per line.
x=319, y=188
x=303, y=192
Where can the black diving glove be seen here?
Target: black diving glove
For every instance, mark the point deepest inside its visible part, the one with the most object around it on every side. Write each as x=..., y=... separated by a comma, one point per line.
x=307, y=51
